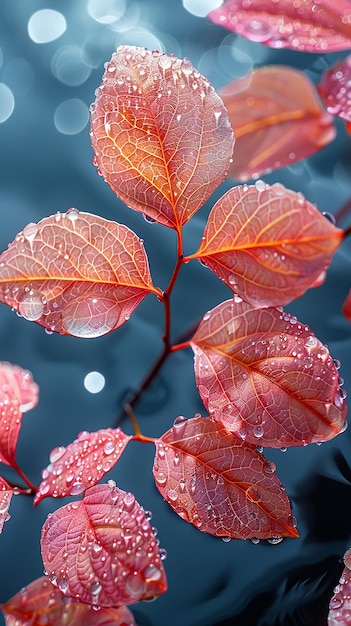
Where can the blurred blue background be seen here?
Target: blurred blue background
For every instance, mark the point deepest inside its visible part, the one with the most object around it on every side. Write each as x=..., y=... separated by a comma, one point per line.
x=50, y=65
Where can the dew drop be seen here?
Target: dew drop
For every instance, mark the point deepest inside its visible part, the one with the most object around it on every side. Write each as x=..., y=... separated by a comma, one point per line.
x=179, y=425
x=226, y=539
x=260, y=185
x=253, y=494
x=30, y=231
x=275, y=540
x=152, y=573
x=129, y=501
x=31, y=306
x=109, y=448
x=95, y=588
x=56, y=454
x=77, y=489
x=148, y=219
x=161, y=478
x=89, y=316
x=257, y=30
x=72, y=214
x=258, y=432
x=172, y=495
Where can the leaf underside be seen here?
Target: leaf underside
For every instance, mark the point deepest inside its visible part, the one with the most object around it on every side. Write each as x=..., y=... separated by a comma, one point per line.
x=267, y=243
x=278, y=118
x=266, y=377
x=219, y=483
x=307, y=26
x=160, y=133
x=75, y=274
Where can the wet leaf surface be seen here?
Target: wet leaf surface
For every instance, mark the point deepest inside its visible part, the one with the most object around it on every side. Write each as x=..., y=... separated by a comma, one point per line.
x=340, y=603
x=102, y=550
x=278, y=118
x=335, y=89
x=161, y=135
x=81, y=464
x=219, y=483
x=308, y=26
x=75, y=274
x=266, y=377
x=6, y=493
x=267, y=243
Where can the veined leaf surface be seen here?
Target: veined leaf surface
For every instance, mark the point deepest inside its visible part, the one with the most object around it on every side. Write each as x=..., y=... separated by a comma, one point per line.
x=82, y=463
x=278, y=118
x=335, y=89
x=41, y=603
x=6, y=493
x=75, y=274
x=308, y=26
x=161, y=134
x=18, y=394
x=340, y=604
x=102, y=550
x=267, y=243
x=266, y=377
x=220, y=483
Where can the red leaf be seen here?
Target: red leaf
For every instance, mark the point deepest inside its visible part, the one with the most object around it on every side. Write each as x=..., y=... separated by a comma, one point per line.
x=340, y=604
x=220, y=483
x=18, y=394
x=6, y=493
x=82, y=464
x=309, y=26
x=75, y=274
x=278, y=118
x=266, y=377
x=160, y=133
x=40, y=603
x=267, y=243
x=102, y=550
x=335, y=89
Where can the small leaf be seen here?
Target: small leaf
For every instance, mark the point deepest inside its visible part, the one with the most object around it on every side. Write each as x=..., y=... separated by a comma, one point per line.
x=267, y=243
x=75, y=274
x=82, y=463
x=6, y=493
x=278, y=118
x=266, y=377
x=308, y=26
x=335, y=89
x=161, y=135
x=340, y=604
x=102, y=550
x=18, y=394
x=220, y=483
x=41, y=604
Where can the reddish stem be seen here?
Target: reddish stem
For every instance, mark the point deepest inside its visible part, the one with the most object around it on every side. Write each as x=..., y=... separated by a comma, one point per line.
x=25, y=479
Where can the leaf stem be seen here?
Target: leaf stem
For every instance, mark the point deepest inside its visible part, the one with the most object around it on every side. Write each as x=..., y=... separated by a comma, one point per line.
x=347, y=232
x=24, y=478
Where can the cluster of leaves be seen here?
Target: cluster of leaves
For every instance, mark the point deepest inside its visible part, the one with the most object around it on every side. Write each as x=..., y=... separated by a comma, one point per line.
x=163, y=141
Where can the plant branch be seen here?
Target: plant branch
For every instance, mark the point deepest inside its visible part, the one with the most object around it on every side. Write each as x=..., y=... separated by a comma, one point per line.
x=25, y=478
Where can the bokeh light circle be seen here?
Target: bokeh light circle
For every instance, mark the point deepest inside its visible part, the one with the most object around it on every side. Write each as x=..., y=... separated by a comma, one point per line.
x=7, y=102
x=46, y=25
x=71, y=116
x=94, y=382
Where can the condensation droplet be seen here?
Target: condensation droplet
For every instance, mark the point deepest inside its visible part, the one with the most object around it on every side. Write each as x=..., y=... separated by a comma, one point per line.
x=31, y=306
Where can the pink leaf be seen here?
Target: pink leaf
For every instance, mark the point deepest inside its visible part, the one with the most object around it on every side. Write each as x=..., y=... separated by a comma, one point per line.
x=340, y=604
x=267, y=243
x=309, y=26
x=18, y=394
x=161, y=135
x=220, y=483
x=6, y=493
x=82, y=463
x=41, y=603
x=75, y=274
x=266, y=377
x=102, y=550
x=278, y=118
x=335, y=89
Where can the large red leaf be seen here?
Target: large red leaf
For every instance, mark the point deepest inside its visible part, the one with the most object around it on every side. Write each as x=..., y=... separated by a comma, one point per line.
x=307, y=25
x=278, y=118
x=220, y=483
x=266, y=377
x=6, y=493
x=161, y=135
x=267, y=243
x=335, y=89
x=75, y=274
x=82, y=463
x=340, y=604
x=102, y=550
x=18, y=394
x=41, y=604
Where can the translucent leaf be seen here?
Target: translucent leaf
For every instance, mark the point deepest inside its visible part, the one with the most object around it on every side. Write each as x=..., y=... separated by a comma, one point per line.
x=18, y=394
x=266, y=377
x=310, y=26
x=340, y=604
x=220, y=483
x=161, y=135
x=267, y=243
x=335, y=89
x=41, y=604
x=75, y=274
x=82, y=463
x=102, y=550
x=278, y=118
x=6, y=493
